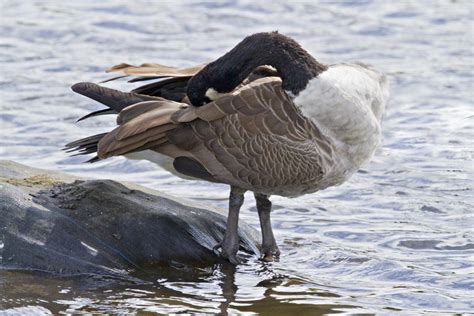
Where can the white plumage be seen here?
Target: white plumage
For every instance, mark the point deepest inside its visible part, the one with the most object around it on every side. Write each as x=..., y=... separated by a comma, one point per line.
x=347, y=102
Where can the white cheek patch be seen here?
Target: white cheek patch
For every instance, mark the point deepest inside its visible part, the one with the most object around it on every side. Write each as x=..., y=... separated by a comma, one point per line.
x=270, y=67
x=212, y=94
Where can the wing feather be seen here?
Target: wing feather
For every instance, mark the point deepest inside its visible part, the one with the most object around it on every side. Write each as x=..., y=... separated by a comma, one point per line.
x=254, y=138
x=153, y=70
x=257, y=135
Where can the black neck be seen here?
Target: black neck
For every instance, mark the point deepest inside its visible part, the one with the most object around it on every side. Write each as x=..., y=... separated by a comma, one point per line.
x=295, y=66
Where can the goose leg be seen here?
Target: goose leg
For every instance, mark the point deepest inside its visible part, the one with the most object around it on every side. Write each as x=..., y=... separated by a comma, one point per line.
x=231, y=242
x=269, y=246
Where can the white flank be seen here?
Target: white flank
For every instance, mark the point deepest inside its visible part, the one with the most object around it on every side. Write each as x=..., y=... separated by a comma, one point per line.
x=163, y=161
x=347, y=102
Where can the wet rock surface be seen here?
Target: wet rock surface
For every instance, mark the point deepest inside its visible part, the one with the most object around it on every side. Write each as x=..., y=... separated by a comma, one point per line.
x=54, y=222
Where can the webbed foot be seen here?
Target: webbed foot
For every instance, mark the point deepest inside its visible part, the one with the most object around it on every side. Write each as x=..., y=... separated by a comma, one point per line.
x=228, y=250
x=270, y=252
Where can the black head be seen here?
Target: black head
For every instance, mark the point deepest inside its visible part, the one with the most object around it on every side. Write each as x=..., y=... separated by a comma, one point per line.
x=215, y=77
x=295, y=66
x=198, y=85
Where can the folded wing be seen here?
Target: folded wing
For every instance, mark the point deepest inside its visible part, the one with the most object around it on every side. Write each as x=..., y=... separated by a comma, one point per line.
x=253, y=138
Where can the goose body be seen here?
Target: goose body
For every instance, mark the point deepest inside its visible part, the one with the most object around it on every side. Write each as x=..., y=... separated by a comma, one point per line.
x=266, y=117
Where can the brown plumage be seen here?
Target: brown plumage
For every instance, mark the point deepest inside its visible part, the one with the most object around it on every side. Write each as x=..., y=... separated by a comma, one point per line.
x=243, y=128
x=241, y=139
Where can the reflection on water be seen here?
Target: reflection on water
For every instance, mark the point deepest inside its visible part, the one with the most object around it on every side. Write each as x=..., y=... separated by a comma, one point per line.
x=176, y=289
x=397, y=237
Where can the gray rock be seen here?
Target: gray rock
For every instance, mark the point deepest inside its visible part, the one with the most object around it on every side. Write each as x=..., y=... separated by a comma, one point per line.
x=53, y=222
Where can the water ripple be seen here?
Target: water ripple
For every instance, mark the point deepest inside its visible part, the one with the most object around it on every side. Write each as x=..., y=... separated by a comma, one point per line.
x=397, y=237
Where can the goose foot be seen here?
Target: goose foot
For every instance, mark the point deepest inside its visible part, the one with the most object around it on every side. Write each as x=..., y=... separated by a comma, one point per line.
x=270, y=253
x=228, y=250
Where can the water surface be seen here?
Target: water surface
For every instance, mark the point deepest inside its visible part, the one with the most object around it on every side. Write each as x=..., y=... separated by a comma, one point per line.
x=397, y=237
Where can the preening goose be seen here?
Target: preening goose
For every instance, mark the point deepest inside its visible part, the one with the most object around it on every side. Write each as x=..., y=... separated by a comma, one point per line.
x=266, y=117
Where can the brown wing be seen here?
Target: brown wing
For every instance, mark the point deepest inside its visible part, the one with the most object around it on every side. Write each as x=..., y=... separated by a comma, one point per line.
x=173, y=83
x=140, y=126
x=154, y=70
x=255, y=139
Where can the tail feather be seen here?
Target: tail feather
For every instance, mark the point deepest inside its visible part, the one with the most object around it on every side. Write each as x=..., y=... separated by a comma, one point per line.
x=97, y=113
x=114, y=99
x=85, y=146
x=114, y=78
x=85, y=141
x=93, y=159
x=145, y=78
x=173, y=88
x=151, y=69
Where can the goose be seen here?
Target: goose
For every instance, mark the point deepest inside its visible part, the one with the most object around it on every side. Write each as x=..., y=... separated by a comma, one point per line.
x=266, y=117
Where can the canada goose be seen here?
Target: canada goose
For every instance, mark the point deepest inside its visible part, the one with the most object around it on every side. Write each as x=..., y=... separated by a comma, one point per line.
x=266, y=117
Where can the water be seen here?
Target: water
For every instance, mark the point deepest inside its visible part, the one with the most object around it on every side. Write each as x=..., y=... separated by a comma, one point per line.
x=397, y=237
